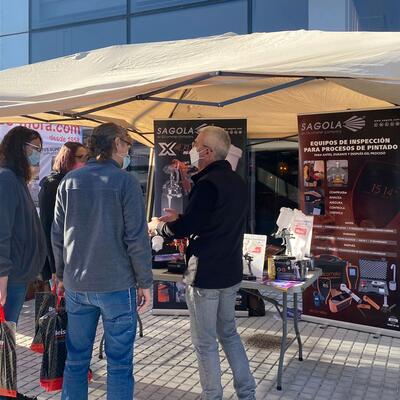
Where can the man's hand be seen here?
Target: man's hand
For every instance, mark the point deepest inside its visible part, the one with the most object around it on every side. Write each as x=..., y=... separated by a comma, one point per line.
x=152, y=225
x=3, y=289
x=143, y=300
x=54, y=281
x=171, y=216
x=60, y=288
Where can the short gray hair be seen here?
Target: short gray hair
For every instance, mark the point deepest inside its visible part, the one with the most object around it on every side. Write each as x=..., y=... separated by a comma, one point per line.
x=217, y=139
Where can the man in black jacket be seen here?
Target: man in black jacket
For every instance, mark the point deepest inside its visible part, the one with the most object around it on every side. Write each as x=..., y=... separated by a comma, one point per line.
x=214, y=219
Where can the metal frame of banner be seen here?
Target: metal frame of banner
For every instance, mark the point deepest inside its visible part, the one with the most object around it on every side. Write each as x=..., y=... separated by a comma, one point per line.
x=152, y=96
x=235, y=99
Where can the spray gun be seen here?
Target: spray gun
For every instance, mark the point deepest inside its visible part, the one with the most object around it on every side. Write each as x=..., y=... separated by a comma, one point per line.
x=249, y=260
x=172, y=196
x=181, y=245
x=285, y=235
x=184, y=170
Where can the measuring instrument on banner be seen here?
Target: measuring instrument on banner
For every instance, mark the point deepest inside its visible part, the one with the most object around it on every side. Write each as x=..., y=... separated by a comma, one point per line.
x=353, y=276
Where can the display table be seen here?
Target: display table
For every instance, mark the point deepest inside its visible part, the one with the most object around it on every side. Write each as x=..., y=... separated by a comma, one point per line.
x=284, y=288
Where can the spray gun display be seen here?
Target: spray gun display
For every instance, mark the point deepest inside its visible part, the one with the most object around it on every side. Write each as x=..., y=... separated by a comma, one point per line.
x=285, y=235
x=180, y=245
x=295, y=230
x=283, y=232
x=178, y=185
x=171, y=190
x=249, y=259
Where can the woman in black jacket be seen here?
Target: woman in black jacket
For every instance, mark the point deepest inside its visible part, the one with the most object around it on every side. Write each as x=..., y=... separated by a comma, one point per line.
x=71, y=156
x=22, y=241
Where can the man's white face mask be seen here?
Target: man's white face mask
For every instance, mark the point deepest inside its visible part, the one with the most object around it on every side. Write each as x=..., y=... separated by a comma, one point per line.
x=195, y=157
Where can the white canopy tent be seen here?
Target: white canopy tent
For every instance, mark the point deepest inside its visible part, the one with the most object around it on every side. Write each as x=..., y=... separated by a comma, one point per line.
x=268, y=78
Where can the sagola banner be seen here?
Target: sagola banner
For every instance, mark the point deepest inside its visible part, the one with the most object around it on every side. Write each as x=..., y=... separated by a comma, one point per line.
x=173, y=141
x=53, y=136
x=350, y=181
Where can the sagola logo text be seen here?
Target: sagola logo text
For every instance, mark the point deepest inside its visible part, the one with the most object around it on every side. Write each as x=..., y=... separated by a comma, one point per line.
x=176, y=130
x=353, y=124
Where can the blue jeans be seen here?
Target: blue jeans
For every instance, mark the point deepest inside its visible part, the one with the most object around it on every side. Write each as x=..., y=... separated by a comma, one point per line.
x=118, y=312
x=15, y=300
x=212, y=316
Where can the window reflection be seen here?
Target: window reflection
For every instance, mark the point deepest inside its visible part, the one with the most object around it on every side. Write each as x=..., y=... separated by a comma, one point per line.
x=14, y=50
x=273, y=15
x=64, y=41
x=372, y=15
x=56, y=12
x=14, y=15
x=190, y=22
x=145, y=5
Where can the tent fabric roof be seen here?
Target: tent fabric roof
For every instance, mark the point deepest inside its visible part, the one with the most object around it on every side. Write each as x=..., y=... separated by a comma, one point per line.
x=352, y=70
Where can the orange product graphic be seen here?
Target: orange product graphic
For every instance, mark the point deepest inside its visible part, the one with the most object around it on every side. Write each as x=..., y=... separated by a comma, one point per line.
x=163, y=293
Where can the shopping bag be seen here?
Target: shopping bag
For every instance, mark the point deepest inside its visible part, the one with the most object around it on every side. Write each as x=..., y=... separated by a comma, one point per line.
x=53, y=329
x=8, y=357
x=53, y=326
x=36, y=286
x=44, y=302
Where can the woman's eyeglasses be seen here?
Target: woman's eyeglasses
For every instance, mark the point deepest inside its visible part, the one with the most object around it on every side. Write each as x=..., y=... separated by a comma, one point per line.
x=38, y=148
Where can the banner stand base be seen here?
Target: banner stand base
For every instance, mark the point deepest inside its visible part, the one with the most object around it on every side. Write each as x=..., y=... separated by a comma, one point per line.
x=348, y=325
x=185, y=313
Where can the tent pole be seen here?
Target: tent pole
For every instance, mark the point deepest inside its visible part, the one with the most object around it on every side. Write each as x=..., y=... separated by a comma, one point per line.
x=150, y=187
x=35, y=118
x=235, y=99
x=266, y=91
x=145, y=95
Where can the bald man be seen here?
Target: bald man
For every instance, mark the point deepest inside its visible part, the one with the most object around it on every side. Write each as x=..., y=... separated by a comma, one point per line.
x=214, y=220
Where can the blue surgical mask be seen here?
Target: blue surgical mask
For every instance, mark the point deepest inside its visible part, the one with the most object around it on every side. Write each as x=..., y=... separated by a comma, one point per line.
x=34, y=158
x=126, y=161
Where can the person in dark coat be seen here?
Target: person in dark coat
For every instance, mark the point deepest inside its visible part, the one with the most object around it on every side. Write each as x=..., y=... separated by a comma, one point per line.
x=22, y=242
x=214, y=220
x=72, y=155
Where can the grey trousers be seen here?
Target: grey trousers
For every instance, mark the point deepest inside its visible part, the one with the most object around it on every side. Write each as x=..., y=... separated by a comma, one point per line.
x=212, y=317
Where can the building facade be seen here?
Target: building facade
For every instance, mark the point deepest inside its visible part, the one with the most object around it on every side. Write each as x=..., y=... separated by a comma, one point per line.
x=37, y=30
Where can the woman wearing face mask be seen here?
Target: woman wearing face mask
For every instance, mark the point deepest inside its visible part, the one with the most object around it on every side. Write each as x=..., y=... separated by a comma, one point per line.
x=22, y=241
x=72, y=155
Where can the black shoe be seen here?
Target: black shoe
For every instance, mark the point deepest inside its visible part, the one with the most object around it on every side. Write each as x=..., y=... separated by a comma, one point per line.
x=22, y=397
